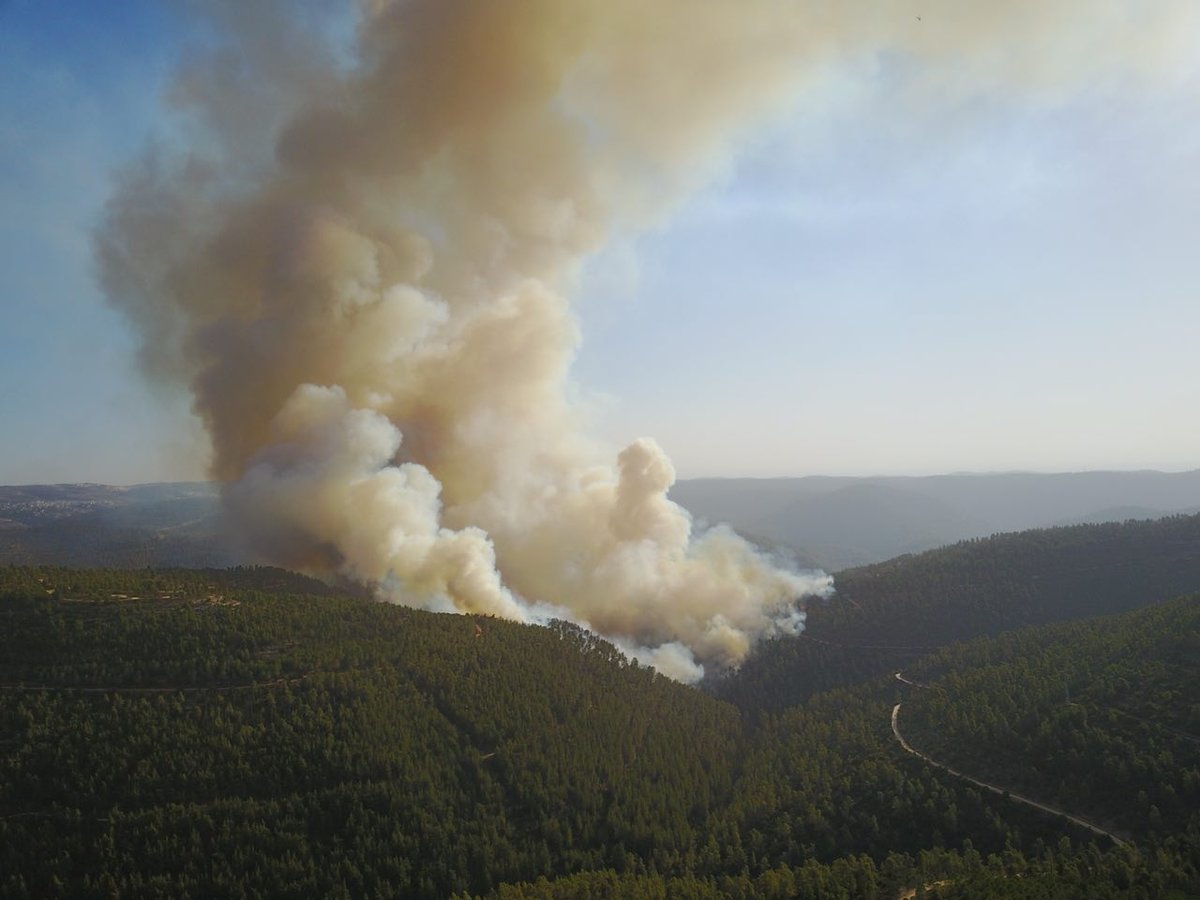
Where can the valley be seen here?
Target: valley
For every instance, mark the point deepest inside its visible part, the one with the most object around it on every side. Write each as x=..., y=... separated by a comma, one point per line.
x=267, y=733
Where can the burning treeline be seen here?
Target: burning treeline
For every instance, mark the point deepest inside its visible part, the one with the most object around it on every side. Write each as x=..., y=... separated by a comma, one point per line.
x=357, y=251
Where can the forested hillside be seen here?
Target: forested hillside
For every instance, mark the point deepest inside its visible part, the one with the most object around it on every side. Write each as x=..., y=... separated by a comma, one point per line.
x=1100, y=716
x=884, y=616
x=1012, y=580
x=388, y=749
x=252, y=733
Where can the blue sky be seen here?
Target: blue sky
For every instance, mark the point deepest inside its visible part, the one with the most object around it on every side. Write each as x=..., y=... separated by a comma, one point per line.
x=875, y=285
x=79, y=87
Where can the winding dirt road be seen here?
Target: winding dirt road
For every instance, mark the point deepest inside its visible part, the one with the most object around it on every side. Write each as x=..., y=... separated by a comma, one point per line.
x=995, y=789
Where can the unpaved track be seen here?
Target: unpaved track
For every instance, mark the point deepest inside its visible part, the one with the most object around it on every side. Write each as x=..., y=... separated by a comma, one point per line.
x=996, y=789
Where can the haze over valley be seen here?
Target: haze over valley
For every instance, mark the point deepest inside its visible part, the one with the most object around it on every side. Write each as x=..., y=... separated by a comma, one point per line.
x=820, y=522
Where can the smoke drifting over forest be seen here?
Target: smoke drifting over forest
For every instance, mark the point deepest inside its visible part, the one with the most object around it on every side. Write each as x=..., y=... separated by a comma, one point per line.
x=357, y=252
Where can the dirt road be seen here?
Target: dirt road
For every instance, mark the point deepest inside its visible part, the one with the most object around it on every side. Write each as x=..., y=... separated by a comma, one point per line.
x=996, y=789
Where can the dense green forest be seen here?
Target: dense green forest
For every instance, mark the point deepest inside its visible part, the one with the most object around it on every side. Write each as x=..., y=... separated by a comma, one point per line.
x=255, y=733
x=885, y=616
x=1009, y=581
x=1100, y=716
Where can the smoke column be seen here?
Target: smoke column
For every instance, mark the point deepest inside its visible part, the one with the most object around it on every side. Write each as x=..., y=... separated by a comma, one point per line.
x=357, y=251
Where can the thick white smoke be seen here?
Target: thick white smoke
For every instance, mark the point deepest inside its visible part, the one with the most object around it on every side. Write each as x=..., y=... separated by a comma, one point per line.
x=359, y=254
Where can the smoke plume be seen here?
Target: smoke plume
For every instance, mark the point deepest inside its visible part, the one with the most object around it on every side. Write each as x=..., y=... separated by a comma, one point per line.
x=357, y=248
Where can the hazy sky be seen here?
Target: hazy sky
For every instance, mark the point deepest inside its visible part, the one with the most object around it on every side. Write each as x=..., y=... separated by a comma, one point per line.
x=897, y=278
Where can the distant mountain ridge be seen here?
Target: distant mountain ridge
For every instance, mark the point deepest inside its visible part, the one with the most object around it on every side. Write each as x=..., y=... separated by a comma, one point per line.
x=840, y=522
x=170, y=524
x=834, y=523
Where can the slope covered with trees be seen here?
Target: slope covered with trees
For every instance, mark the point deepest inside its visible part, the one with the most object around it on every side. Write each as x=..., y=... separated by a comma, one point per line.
x=887, y=615
x=253, y=733
x=1009, y=581
x=1100, y=716
x=325, y=743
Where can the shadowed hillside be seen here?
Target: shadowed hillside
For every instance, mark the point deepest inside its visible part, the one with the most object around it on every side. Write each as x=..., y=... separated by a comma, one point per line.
x=885, y=615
